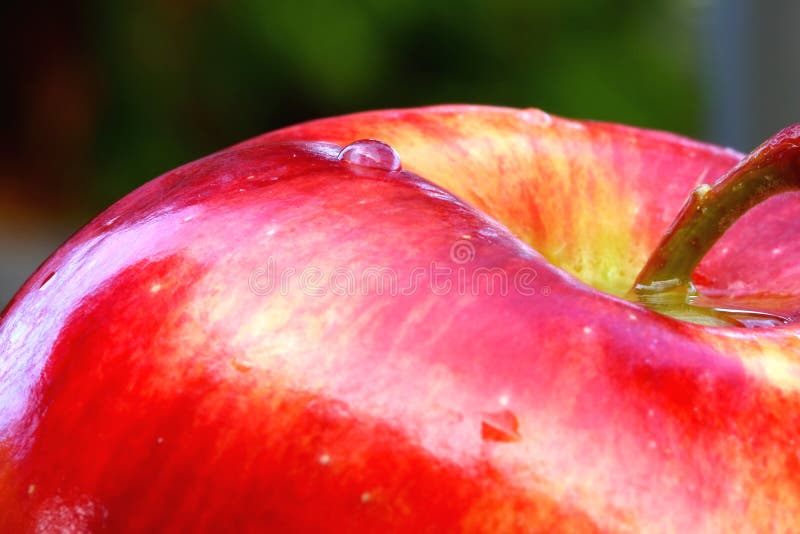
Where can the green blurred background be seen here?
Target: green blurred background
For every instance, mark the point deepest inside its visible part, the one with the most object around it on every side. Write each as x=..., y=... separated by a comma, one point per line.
x=101, y=96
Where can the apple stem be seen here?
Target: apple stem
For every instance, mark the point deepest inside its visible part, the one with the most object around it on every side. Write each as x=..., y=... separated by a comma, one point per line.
x=772, y=168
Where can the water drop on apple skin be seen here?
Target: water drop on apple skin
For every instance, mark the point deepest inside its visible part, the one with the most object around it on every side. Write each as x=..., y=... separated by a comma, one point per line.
x=242, y=365
x=501, y=426
x=371, y=153
x=751, y=319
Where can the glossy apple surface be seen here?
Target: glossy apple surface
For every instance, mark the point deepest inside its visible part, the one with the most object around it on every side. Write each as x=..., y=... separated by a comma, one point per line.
x=156, y=375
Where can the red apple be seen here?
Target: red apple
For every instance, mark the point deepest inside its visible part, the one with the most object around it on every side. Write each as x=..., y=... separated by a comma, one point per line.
x=274, y=338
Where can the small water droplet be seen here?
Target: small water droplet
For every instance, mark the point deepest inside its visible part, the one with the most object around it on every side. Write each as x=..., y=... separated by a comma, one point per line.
x=371, y=153
x=241, y=365
x=159, y=440
x=324, y=459
x=537, y=117
x=366, y=497
x=111, y=221
x=46, y=281
x=489, y=233
x=500, y=426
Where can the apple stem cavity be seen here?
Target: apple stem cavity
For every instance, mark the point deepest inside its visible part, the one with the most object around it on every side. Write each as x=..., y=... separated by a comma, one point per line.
x=664, y=284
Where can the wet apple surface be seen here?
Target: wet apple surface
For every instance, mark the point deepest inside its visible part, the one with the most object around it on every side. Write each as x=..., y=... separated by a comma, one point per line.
x=308, y=331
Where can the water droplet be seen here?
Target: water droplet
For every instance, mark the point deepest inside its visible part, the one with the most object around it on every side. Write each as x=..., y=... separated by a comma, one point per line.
x=366, y=497
x=371, y=153
x=536, y=117
x=750, y=319
x=698, y=309
x=324, y=459
x=500, y=426
x=241, y=365
x=489, y=233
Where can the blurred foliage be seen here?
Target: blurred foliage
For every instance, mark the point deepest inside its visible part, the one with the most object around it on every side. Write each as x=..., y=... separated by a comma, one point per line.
x=172, y=81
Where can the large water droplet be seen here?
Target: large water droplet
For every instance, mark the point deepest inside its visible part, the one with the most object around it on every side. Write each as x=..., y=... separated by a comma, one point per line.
x=500, y=426
x=371, y=153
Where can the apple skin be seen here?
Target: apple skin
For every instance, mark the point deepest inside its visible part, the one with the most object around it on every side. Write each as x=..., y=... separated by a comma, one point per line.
x=145, y=385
